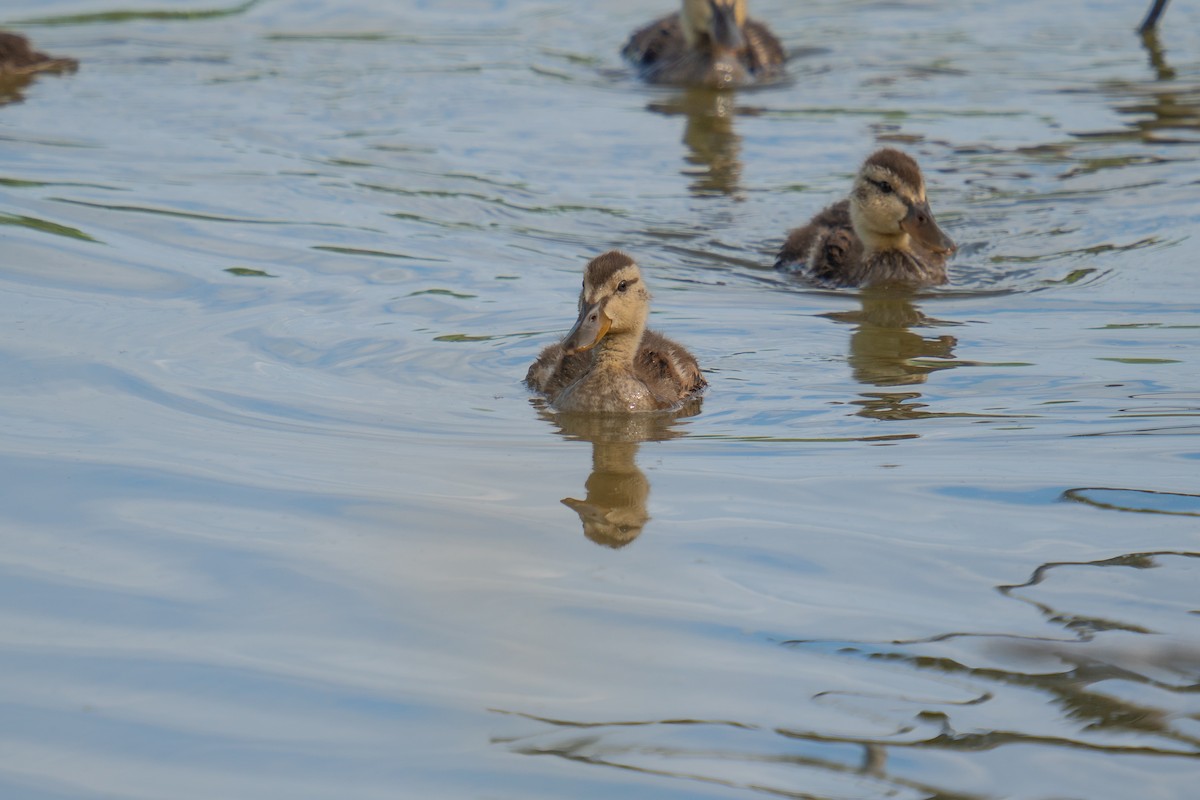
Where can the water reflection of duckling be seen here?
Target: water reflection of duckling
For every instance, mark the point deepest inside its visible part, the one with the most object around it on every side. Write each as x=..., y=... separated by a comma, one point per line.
x=883, y=233
x=614, y=512
x=883, y=351
x=711, y=140
x=629, y=367
x=17, y=57
x=706, y=43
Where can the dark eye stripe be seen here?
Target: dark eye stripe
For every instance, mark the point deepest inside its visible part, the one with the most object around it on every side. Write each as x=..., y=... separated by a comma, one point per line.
x=901, y=197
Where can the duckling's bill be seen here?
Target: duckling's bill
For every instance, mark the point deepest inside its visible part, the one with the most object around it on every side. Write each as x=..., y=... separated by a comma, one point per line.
x=588, y=330
x=920, y=224
x=726, y=32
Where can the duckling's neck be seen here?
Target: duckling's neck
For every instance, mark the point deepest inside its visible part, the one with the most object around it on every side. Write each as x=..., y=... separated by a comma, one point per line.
x=617, y=350
x=692, y=33
x=884, y=242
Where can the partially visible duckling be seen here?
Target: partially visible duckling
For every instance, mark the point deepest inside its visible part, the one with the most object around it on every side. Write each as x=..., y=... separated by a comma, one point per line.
x=609, y=362
x=708, y=43
x=883, y=233
x=18, y=58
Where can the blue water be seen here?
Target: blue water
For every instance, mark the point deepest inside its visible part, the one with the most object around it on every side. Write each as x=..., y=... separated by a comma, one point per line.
x=279, y=520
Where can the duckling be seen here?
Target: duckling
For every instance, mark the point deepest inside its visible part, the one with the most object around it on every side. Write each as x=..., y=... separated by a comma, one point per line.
x=628, y=368
x=707, y=42
x=883, y=233
x=18, y=58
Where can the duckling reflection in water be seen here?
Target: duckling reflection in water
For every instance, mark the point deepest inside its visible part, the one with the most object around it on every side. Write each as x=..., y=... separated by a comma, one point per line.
x=883, y=351
x=614, y=511
x=609, y=362
x=706, y=43
x=883, y=233
x=714, y=147
x=17, y=57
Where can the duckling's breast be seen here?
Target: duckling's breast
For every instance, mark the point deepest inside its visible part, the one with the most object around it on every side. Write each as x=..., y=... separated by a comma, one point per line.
x=607, y=392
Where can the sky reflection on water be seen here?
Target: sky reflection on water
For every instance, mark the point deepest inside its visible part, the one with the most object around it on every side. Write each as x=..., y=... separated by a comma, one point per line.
x=279, y=519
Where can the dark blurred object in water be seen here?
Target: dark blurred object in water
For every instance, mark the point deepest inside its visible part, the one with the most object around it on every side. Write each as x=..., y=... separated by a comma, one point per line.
x=19, y=62
x=1151, y=20
x=706, y=43
x=18, y=58
x=1163, y=109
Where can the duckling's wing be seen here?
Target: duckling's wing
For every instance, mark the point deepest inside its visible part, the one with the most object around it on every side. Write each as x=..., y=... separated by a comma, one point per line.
x=765, y=51
x=668, y=369
x=836, y=257
x=797, y=251
x=794, y=253
x=554, y=370
x=660, y=40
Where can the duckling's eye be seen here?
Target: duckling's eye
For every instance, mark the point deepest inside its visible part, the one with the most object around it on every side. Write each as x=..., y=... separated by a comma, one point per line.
x=622, y=286
x=885, y=187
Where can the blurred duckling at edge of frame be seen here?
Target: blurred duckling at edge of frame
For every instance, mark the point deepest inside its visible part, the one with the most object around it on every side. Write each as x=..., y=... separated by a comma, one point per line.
x=706, y=43
x=609, y=362
x=883, y=233
x=17, y=57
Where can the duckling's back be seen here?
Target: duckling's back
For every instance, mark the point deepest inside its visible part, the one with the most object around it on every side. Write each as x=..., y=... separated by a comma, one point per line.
x=554, y=370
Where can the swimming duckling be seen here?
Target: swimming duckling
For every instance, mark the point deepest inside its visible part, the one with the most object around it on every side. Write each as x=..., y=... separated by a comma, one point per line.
x=883, y=233
x=628, y=367
x=18, y=58
x=707, y=42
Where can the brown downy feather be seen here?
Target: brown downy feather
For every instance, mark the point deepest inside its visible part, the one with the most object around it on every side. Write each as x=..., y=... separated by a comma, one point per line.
x=603, y=267
x=899, y=164
x=826, y=247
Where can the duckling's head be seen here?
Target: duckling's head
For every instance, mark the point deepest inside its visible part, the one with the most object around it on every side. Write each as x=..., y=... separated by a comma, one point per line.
x=717, y=21
x=614, y=301
x=888, y=205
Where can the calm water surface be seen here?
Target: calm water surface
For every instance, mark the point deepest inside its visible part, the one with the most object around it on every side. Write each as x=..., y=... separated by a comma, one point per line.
x=278, y=519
